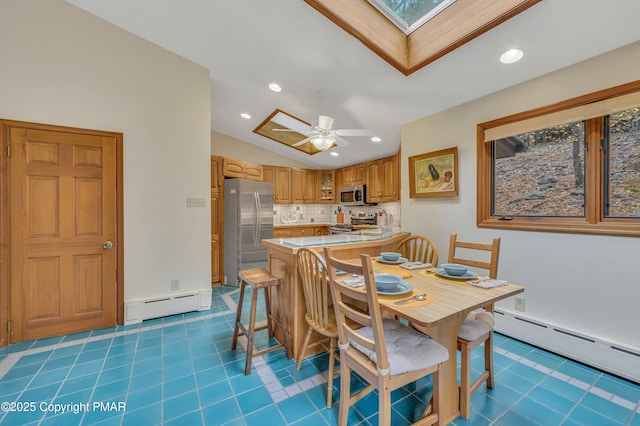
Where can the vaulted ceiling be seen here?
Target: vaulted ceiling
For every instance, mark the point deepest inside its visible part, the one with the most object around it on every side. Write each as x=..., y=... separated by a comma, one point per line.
x=324, y=69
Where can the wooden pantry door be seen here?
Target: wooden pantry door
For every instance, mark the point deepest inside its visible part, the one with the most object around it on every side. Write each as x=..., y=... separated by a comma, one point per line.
x=63, y=238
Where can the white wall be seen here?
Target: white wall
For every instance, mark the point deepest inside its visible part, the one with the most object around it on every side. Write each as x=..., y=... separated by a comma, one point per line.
x=585, y=283
x=61, y=65
x=228, y=146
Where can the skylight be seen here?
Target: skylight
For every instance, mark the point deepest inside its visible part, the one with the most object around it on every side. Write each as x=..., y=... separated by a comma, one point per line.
x=409, y=15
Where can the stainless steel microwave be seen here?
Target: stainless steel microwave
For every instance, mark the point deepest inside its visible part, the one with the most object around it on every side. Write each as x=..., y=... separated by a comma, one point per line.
x=353, y=195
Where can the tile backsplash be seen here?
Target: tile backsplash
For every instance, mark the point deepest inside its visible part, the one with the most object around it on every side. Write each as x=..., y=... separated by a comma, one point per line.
x=326, y=213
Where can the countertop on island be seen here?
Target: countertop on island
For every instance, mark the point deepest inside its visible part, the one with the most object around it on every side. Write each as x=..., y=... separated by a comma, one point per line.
x=349, y=241
x=323, y=240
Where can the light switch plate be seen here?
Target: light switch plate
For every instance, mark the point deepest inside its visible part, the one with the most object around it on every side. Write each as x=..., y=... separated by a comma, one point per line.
x=196, y=202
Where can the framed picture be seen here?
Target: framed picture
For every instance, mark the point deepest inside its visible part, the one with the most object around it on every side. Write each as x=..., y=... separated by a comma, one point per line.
x=434, y=174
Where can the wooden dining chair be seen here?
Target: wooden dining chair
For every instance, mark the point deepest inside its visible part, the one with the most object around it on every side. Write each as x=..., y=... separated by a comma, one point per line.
x=417, y=248
x=384, y=352
x=320, y=315
x=477, y=328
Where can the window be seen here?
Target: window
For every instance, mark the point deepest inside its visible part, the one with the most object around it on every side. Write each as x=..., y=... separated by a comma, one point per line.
x=410, y=14
x=622, y=164
x=569, y=167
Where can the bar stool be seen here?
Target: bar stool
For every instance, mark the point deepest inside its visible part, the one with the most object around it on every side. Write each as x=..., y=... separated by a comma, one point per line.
x=259, y=278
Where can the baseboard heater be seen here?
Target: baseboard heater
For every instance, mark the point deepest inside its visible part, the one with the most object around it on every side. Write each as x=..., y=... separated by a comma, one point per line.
x=615, y=358
x=140, y=310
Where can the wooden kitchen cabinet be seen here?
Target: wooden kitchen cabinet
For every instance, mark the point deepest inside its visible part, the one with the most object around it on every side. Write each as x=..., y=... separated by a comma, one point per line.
x=354, y=175
x=217, y=221
x=304, y=186
x=280, y=178
x=326, y=180
x=281, y=232
x=216, y=174
x=282, y=186
x=241, y=169
x=321, y=230
x=303, y=231
x=383, y=180
x=338, y=183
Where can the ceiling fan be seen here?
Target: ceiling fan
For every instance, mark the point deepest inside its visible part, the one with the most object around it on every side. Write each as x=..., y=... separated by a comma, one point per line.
x=323, y=135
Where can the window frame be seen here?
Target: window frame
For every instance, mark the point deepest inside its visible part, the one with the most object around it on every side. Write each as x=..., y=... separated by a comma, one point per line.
x=594, y=221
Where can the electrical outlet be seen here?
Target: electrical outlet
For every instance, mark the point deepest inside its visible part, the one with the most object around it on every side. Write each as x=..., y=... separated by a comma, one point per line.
x=301, y=216
x=520, y=303
x=175, y=285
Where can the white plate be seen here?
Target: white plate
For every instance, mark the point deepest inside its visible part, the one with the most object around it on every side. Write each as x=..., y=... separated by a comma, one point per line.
x=402, y=288
x=467, y=276
x=392, y=262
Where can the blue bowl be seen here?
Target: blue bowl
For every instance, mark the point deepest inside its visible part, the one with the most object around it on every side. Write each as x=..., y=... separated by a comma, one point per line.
x=387, y=282
x=455, y=269
x=390, y=256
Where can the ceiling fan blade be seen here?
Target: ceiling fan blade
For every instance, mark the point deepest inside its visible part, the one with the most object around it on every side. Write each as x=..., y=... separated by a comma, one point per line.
x=325, y=122
x=354, y=132
x=302, y=142
x=341, y=142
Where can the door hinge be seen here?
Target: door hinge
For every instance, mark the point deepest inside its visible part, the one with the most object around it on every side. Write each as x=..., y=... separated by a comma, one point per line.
x=9, y=326
x=8, y=150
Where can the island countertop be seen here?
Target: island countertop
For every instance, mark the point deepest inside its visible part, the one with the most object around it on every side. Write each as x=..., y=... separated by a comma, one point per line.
x=326, y=240
x=281, y=254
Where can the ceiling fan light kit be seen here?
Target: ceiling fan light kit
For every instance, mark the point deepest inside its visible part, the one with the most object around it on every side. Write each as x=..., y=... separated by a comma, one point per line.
x=323, y=142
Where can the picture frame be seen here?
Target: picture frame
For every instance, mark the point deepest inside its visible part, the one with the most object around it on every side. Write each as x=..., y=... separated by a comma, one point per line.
x=434, y=174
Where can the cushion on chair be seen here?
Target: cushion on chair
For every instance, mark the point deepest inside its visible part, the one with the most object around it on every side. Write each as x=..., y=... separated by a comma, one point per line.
x=408, y=350
x=471, y=329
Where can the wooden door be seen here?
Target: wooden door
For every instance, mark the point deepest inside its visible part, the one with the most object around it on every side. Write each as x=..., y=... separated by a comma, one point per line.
x=63, y=243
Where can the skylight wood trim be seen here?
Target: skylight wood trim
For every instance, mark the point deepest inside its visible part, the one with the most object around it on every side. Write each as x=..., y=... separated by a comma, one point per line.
x=366, y=23
x=456, y=25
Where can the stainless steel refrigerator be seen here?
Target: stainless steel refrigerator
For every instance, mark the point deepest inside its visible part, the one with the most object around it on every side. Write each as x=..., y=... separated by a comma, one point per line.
x=248, y=219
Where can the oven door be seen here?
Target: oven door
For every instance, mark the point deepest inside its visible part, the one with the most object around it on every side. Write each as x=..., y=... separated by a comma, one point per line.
x=343, y=231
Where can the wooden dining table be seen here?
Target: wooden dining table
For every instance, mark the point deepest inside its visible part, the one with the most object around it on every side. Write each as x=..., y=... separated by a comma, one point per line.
x=450, y=301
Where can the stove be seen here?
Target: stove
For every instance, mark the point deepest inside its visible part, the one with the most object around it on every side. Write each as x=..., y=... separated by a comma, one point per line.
x=341, y=228
x=359, y=220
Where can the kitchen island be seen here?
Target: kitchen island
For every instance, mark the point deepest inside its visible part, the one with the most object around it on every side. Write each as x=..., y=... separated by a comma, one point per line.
x=281, y=258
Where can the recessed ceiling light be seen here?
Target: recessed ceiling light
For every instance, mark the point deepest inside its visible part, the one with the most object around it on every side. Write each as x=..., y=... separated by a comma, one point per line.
x=376, y=139
x=245, y=116
x=335, y=154
x=275, y=87
x=511, y=56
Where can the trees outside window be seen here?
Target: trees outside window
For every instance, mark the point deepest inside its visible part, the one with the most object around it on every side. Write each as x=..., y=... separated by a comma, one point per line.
x=539, y=171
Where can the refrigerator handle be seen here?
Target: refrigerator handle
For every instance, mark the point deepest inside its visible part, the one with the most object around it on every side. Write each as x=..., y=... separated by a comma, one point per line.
x=256, y=197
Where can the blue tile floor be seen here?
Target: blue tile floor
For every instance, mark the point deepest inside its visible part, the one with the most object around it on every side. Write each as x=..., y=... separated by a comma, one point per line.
x=180, y=370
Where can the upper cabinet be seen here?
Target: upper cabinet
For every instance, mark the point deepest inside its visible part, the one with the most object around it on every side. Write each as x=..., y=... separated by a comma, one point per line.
x=280, y=178
x=327, y=181
x=216, y=174
x=354, y=175
x=241, y=169
x=383, y=180
x=304, y=187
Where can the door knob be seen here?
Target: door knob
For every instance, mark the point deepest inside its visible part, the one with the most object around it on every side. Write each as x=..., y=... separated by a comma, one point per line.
x=107, y=245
